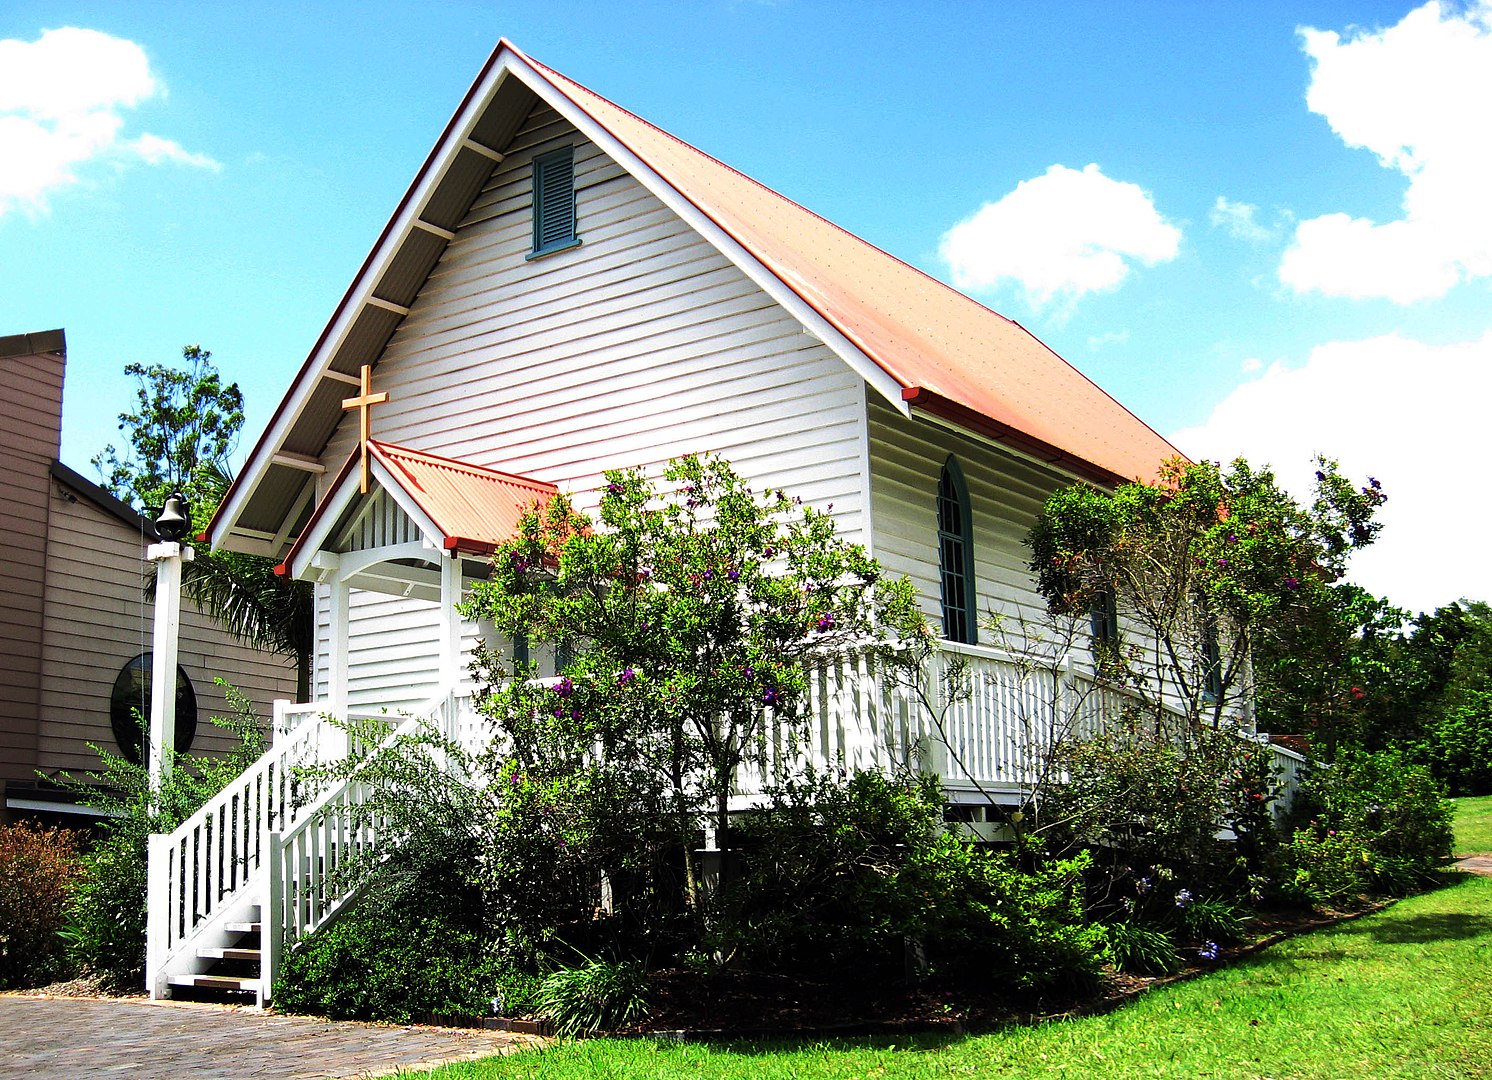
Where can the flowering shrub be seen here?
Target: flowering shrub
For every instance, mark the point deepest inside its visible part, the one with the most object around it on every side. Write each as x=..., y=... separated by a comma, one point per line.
x=37, y=866
x=693, y=609
x=1380, y=812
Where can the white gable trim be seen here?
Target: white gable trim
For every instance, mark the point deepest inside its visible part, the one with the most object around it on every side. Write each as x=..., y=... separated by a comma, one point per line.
x=359, y=295
x=337, y=502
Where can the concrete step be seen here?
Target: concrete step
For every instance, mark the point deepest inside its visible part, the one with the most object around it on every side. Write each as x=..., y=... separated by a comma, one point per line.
x=215, y=982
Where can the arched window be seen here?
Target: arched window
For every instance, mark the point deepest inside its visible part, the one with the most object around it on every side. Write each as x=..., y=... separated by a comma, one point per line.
x=956, y=556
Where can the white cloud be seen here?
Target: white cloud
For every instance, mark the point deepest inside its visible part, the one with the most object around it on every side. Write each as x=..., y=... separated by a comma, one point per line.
x=1251, y=364
x=1416, y=95
x=61, y=103
x=1063, y=233
x=1237, y=218
x=1411, y=414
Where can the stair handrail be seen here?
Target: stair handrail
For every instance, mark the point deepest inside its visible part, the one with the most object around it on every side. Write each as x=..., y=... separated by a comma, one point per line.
x=290, y=901
x=200, y=867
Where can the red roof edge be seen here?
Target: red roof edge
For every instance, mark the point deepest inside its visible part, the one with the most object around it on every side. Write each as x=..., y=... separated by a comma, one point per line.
x=469, y=547
x=919, y=397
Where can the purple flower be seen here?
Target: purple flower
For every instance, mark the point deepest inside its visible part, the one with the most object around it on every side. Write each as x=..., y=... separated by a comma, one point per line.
x=1142, y=886
x=564, y=688
x=614, y=488
x=826, y=622
x=1208, y=951
x=1292, y=583
x=1222, y=562
x=733, y=574
x=574, y=714
x=750, y=671
x=709, y=574
x=770, y=696
x=1183, y=898
x=626, y=676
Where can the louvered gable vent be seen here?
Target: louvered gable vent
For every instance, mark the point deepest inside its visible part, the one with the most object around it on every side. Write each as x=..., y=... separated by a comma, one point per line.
x=554, y=201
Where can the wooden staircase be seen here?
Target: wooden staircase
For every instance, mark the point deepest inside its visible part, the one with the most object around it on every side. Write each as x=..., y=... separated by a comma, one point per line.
x=233, y=969
x=258, y=865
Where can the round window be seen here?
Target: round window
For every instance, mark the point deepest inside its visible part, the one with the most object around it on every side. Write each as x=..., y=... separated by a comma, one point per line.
x=129, y=708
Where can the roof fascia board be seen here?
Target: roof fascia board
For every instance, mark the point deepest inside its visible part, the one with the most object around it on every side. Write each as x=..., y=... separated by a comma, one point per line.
x=429, y=528
x=1061, y=467
x=809, y=317
x=359, y=293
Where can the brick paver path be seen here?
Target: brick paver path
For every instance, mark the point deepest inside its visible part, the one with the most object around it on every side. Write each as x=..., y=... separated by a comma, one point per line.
x=69, y=1038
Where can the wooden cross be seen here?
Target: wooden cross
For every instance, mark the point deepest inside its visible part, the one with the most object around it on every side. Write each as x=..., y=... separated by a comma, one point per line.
x=365, y=401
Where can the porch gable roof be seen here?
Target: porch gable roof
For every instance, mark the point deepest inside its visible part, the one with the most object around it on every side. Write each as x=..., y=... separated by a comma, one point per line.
x=459, y=507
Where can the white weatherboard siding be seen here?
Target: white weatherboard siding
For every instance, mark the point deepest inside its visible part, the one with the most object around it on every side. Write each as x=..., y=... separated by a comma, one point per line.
x=639, y=345
x=1005, y=495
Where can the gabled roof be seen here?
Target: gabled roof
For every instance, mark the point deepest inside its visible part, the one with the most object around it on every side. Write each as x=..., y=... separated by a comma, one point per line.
x=921, y=344
x=457, y=506
x=474, y=508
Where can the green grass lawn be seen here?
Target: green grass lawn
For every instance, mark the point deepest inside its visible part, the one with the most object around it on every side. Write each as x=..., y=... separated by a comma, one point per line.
x=1474, y=825
x=1404, y=993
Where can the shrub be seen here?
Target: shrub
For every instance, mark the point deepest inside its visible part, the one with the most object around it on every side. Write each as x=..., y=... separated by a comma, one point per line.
x=1151, y=798
x=414, y=943
x=106, y=913
x=1392, y=807
x=37, y=866
x=597, y=996
x=843, y=873
x=367, y=966
x=1325, y=867
x=1135, y=947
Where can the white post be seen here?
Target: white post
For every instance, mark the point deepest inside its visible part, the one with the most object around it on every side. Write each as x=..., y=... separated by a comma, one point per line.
x=450, y=632
x=168, y=558
x=336, y=681
x=271, y=917
x=158, y=913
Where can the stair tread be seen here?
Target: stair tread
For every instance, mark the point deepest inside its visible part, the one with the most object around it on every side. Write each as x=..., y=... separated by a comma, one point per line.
x=217, y=982
x=232, y=952
x=242, y=927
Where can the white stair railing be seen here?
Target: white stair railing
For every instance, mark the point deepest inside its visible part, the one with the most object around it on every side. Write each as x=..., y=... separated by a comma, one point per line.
x=306, y=882
x=210, y=861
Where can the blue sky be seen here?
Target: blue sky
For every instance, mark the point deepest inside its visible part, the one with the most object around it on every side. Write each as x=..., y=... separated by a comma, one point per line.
x=1264, y=227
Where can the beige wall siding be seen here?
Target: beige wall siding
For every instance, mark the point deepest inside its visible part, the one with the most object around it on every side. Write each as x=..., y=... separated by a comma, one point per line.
x=30, y=426
x=98, y=619
x=1005, y=493
x=641, y=344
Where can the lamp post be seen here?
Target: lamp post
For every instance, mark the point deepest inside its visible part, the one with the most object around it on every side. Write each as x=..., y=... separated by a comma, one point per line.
x=173, y=523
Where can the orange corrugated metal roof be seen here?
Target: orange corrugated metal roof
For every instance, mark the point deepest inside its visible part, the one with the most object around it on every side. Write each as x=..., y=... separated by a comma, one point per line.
x=475, y=508
x=952, y=355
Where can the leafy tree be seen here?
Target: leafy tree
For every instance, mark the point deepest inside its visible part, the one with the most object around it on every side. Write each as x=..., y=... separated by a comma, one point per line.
x=689, y=619
x=1435, y=695
x=181, y=436
x=1208, y=567
x=1323, y=673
